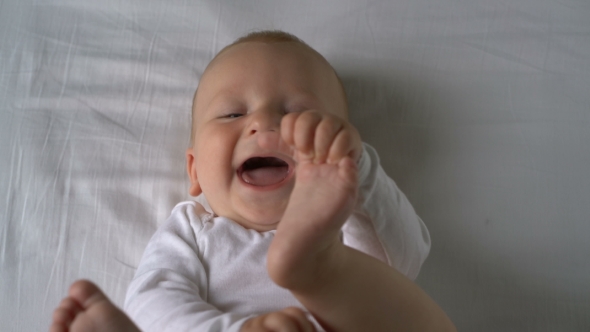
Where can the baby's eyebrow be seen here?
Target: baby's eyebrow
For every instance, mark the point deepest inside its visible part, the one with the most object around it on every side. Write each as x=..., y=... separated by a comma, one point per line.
x=224, y=100
x=302, y=101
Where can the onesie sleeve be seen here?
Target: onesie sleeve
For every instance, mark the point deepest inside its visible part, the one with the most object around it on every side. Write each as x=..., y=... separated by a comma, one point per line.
x=169, y=290
x=384, y=223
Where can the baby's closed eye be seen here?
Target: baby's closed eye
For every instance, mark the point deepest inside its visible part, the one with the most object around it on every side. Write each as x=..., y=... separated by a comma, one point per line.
x=232, y=115
x=231, y=112
x=295, y=108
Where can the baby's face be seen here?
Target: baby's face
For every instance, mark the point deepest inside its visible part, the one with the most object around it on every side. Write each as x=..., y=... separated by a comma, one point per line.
x=238, y=159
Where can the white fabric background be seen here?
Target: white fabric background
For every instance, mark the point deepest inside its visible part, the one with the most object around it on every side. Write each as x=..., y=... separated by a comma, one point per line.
x=480, y=110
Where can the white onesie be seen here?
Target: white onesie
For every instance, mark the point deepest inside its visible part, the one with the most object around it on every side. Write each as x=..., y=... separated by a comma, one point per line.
x=201, y=272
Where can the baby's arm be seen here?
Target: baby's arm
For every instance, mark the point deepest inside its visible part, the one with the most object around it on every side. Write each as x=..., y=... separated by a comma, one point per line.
x=384, y=223
x=167, y=293
x=343, y=288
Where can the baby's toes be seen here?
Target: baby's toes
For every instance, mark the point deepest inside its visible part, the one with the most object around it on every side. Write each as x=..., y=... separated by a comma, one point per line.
x=64, y=315
x=86, y=293
x=348, y=171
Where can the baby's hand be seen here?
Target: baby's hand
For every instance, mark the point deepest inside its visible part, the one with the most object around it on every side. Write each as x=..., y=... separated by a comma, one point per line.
x=320, y=137
x=291, y=319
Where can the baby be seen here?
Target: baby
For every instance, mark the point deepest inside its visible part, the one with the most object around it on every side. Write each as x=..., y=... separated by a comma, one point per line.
x=295, y=228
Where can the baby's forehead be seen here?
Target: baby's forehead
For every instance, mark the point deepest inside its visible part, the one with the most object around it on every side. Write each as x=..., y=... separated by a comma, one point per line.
x=292, y=54
x=290, y=50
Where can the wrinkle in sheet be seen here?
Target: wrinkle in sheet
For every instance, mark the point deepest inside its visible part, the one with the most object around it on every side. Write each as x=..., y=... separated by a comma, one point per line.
x=62, y=186
x=372, y=34
x=533, y=164
x=102, y=117
x=68, y=64
x=502, y=55
x=213, y=49
x=145, y=80
x=16, y=161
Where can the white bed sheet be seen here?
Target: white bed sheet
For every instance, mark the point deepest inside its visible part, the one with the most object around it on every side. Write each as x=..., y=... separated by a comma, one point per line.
x=480, y=111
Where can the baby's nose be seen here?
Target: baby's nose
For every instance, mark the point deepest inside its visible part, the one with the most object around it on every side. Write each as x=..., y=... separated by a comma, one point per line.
x=265, y=120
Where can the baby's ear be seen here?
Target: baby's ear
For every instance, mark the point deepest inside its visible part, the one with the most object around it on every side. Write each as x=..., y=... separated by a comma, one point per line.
x=191, y=168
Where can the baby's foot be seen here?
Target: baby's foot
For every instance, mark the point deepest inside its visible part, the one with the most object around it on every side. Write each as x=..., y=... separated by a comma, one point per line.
x=88, y=309
x=309, y=232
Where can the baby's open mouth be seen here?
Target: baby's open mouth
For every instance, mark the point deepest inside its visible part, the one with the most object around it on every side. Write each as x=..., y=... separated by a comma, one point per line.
x=263, y=171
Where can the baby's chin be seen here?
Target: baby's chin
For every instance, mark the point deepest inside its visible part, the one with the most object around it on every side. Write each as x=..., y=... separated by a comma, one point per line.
x=257, y=224
x=260, y=211
x=261, y=219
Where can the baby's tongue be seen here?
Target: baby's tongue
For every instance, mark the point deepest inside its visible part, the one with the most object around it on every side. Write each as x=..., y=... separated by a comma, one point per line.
x=265, y=176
